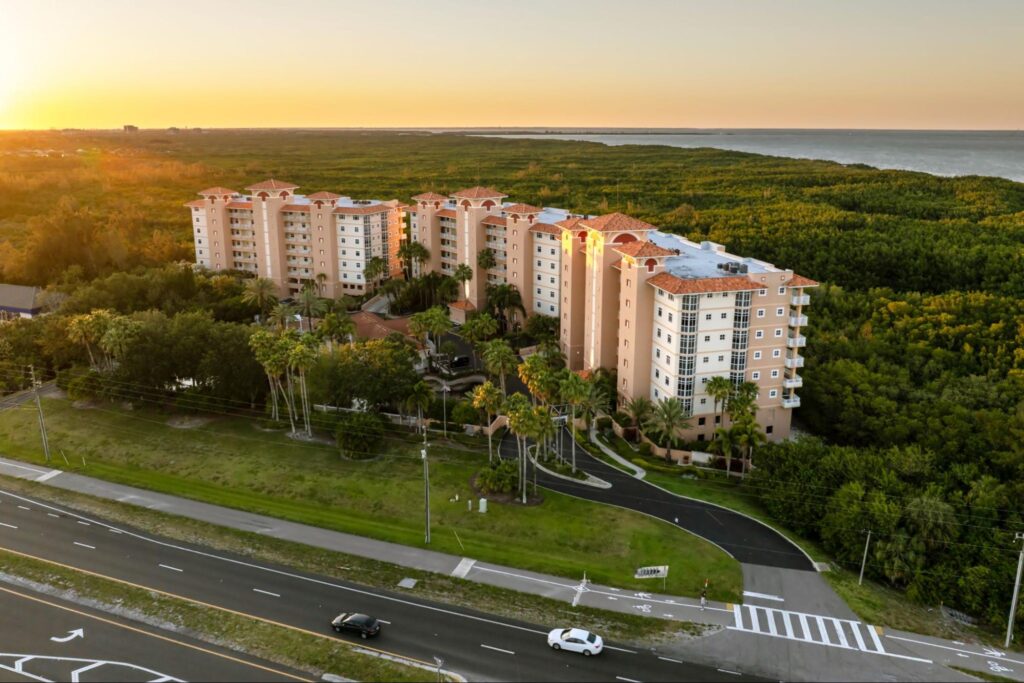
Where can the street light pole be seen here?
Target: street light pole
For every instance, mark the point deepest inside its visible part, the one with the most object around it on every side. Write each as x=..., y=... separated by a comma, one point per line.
x=1016, y=591
x=864, y=560
x=426, y=492
x=39, y=410
x=444, y=405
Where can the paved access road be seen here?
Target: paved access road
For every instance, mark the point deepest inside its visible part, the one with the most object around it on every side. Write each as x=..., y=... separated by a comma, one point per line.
x=46, y=639
x=746, y=539
x=477, y=645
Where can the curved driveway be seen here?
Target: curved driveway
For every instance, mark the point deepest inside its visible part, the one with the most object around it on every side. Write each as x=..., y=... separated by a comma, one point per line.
x=746, y=539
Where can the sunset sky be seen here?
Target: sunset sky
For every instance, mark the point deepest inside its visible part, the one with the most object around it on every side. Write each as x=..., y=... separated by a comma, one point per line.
x=639, y=63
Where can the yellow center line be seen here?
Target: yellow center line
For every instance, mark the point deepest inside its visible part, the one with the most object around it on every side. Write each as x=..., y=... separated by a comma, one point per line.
x=298, y=629
x=151, y=635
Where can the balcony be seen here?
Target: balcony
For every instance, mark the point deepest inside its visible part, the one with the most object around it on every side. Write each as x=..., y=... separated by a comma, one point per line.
x=794, y=382
x=800, y=299
x=796, y=342
x=791, y=402
x=795, y=362
x=797, y=320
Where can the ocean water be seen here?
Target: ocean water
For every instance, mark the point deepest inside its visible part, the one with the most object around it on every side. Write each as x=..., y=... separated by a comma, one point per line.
x=944, y=153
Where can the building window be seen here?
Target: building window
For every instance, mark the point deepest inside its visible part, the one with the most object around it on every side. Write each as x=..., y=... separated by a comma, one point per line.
x=755, y=375
x=721, y=358
x=778, y=332
x=658, y=333
x=706, y=359
x=757, y=355
x=724, y=316
x=659, y=311
x=775, y=374
x=779, y=311
x=762, y=292
x=657, y=352
x=759, y=334
x=703, y=380
x=760, y=313
x=701, y=421
x=768, y=429
x=782, y=290
x=657, y=373
x=721, y=337
x=707, y=316
x=707, y=337
x=773, y=393
x=703, y=401
x=776, y=353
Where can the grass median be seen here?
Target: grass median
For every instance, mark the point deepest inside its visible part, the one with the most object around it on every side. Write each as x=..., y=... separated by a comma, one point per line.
x=227, y=461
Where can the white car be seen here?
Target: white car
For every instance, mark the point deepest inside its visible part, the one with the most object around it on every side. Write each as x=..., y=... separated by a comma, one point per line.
x=575, y=640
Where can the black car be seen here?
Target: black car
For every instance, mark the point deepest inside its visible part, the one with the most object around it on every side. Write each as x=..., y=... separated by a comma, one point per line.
x=459, y=361
x=353, y=622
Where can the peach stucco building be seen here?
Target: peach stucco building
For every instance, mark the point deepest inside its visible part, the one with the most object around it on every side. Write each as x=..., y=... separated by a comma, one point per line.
x=666, y=313
x=292, y=239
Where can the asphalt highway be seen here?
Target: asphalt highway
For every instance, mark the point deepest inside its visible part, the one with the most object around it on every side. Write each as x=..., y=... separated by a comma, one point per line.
x=744, y=538
x=477, y=645
x=47, y=639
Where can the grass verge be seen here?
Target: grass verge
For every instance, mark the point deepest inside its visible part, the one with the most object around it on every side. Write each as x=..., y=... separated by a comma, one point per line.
x=430, y=586
x=226, y=461
x=291, y=647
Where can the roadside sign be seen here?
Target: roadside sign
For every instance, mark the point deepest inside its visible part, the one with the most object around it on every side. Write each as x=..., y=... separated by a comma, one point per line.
x=657, y=572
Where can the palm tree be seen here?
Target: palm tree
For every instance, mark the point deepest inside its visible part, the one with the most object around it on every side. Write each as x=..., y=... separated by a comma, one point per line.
x=725, y=443
x=311, y=305
x=520, y=417
x=419, y=399
x=478, y=329
x=719, y=388
x=500, y=360
x=301, y=358
x=262, y=343
x=743, y=401
x=410, y=252
x=485, y=259
x=334, y=328
x=667, y=418
x=262, y=293
x=375, y=269
x=392, y=288
x=121, y=331
x=638, y=409
x=280, y=315
x=488, y=398
x=503, y=299
x=80, y=332
x=595, y=401
x=321, y=282
x=574, y=391
x=463, y=274
x=537, y=376
x=749, y=436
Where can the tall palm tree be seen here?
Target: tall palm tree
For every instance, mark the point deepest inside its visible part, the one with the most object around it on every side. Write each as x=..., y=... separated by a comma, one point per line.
x=262, y=344
x=463, y=274
x=412, y=252
x=311, y=305
x=504, y=300
x=749, y=437
x=667, y=418
x=595, y=401
x=500, y=360
x=719, y=388
x=485, y=259
x=478, y=329
x=638, y=409
x=300, y=359
x=335, y=328
x=743, y=401
x=488, y=398
x=419, y=399
x=79, y=332
x=574, y=391
x=280, y=315
x=517, y=409
x=375, y=269
x=725, y=444
x=537, y=376
x=262, y=293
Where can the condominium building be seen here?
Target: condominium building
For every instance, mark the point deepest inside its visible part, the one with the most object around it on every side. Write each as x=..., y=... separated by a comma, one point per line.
x=666, y=313
x=292, y=239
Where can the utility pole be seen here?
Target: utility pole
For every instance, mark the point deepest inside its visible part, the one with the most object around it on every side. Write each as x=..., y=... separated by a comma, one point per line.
x=864, y=560
x=39, y=409
x=426, y=490
x=1016, y=591
x=444, y=405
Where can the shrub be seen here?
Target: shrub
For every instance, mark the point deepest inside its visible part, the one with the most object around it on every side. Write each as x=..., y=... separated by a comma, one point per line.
x=622, y=419
x=359, y=434
x=500, y=477
x=604, y=423
x=464, y=413
x=87, y=384
x=644, y=449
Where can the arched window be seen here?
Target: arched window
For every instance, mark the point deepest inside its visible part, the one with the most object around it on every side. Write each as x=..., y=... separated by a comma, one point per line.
x=488, y=204
x=465, y=204
x=263, y=196
x=283, y=194
x=651, y=263
x=624, y=238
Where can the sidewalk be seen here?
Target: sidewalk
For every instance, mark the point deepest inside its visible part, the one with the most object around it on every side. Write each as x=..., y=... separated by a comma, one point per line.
x=555, y=587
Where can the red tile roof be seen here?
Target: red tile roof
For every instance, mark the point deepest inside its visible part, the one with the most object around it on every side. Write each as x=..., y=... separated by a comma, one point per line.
x=677, y=285
x=217, y=191
x=479, y=193
x=295, y=207
x=617, y=264
x=616, y=222
x=240, y=205
x=569, y=223
x=462, y=305
x=545, y=227
x=372, y=326
x=272, y=185
x=324, y=195
x=445, y=213
x=362, y=210
x=495, y=220
x=196, y=204
x=430, y=196
x=801, y=281
x=521, y=208
x=643, y=249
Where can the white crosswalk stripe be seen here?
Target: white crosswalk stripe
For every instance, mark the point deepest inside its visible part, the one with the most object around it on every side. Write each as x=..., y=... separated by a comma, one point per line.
x=809, y=628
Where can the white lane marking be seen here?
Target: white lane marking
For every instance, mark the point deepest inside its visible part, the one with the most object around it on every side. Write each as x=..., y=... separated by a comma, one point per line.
x=257, y=590
x=22, y=507
x=805, y=627
x=384, y=622
x=771, y=623
x=734, y=673
x=824, y=633
x=839, y=629
x=76, y=675
x=49, y=475
x=50, y=514
x=873, y=632
x=86, y=545
x=946, y=647
x=279, y=572
x=611, y=597
x=84, y=523
x=463, y=568
x=856, y=636
x=738, y=613
x=9, y=526
x=22, y=467
x=619, y=649
x=627, y=680
x=669, y=659
x=497, y=649
x=173, y=569
x=787, y=624
x=763, y=596
x=753, y=618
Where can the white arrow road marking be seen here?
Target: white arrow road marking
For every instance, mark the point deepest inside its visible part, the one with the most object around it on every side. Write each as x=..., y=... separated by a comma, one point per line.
x=77, y=633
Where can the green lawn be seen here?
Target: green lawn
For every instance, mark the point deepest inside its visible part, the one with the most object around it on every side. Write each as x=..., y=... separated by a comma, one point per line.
x=230, y=462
